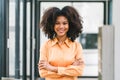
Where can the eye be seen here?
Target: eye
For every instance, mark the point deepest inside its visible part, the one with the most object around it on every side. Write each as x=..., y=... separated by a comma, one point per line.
x=57, y=23
x=65, y=23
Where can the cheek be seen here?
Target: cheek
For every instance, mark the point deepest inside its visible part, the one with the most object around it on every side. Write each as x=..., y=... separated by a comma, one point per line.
x=67, y=28
x=55, y=28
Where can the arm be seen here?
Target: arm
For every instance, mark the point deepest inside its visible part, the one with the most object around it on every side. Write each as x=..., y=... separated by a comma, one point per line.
x=76, y=69
x=72, y=70
x=45, y=69
x=45, y=73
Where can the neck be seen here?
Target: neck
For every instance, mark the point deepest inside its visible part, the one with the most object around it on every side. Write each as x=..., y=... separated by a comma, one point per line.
x=61, y=39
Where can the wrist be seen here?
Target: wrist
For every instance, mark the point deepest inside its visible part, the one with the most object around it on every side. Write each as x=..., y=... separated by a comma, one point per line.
x=54, y=69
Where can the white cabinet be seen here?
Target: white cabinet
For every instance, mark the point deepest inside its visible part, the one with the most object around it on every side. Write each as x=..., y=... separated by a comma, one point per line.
x=106, y=53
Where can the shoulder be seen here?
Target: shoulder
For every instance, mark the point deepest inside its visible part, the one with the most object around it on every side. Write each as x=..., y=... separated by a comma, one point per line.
x=47, y=43
x=78, y=44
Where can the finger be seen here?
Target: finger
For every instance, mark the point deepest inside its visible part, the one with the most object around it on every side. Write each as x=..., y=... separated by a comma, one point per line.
x=42, y=67
x=42, y=61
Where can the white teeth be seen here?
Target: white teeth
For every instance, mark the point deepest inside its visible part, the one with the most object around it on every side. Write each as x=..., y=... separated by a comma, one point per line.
x=61, y=31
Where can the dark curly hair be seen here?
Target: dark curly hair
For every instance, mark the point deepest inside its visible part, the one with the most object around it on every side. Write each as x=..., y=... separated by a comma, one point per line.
x=49, y=20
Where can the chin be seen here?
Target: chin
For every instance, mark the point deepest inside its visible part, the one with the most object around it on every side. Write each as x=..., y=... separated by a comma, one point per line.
x=61, y=34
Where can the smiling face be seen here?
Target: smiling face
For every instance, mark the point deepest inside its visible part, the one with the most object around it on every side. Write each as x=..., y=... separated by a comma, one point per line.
x=61, y=26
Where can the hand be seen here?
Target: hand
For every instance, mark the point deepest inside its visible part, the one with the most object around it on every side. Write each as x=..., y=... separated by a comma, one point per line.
x=45, y=65
x=77, y=62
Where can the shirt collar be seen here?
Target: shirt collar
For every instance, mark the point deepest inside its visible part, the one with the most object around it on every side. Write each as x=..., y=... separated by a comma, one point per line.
x=67, y=42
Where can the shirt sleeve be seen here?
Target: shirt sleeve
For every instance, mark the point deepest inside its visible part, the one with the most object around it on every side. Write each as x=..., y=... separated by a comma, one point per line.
x=73, y=70
x=43, y=56
x=44, y=73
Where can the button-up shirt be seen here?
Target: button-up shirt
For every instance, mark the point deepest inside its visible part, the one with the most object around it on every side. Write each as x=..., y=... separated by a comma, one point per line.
x=61, y=56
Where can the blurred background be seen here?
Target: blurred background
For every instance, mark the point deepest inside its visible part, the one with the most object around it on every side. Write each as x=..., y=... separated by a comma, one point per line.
x=21, y=38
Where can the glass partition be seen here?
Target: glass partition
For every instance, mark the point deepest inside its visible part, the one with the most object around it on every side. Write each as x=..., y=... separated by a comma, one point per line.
x=93, y=17
x=12, y=38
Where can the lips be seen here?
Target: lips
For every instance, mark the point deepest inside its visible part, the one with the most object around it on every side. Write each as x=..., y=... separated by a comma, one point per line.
x=60, y=31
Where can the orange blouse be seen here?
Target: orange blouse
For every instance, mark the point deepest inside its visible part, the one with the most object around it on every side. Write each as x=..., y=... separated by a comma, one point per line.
x=61, y=56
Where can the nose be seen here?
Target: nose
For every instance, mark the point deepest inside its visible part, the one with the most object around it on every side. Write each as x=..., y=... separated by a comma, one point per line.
x=61, y=25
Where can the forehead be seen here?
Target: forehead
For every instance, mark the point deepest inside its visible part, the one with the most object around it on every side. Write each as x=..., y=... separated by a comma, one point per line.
x=61, y=18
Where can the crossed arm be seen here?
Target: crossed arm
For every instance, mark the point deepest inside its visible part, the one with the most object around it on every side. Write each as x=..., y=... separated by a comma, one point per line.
x=75, y=69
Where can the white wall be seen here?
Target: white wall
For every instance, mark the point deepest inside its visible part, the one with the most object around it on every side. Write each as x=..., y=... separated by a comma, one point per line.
x=116, y=23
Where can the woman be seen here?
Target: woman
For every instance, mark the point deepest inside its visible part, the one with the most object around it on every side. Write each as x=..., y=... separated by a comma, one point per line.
x=61, y=56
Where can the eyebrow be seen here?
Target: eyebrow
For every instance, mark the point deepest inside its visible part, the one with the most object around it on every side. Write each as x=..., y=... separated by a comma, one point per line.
x=63, y=21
